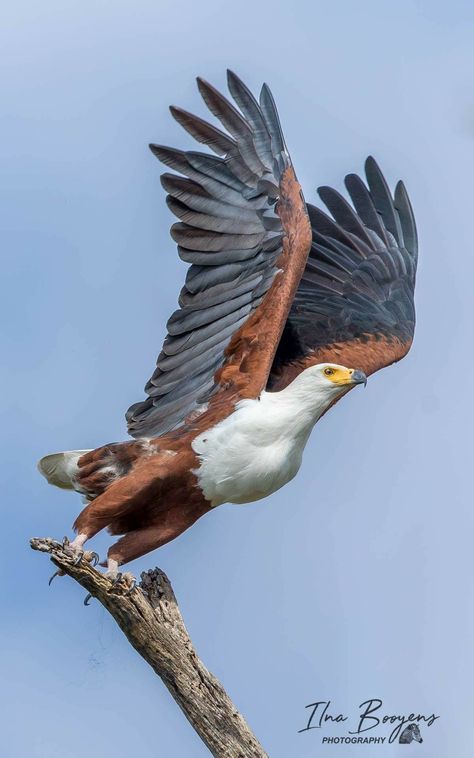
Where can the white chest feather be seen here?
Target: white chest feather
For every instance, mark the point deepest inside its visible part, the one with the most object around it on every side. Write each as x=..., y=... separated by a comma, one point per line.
x=254, y=451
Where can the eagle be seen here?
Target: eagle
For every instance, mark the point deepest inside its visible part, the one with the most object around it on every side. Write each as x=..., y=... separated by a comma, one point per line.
x=285, y=308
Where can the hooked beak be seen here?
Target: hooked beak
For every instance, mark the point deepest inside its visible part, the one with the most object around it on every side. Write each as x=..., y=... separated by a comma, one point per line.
x=358, y=377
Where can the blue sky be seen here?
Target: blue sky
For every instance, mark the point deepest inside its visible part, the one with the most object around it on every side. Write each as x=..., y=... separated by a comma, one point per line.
x=353, y=582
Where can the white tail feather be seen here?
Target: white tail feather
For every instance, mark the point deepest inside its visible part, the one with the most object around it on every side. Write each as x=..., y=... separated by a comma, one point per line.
x=60, y=469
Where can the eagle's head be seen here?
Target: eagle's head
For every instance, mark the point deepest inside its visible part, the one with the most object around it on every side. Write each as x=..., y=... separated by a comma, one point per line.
x=322, y=384
x=333, y=375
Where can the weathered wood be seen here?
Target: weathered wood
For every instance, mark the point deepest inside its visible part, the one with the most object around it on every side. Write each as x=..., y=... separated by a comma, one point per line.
x=150, y=619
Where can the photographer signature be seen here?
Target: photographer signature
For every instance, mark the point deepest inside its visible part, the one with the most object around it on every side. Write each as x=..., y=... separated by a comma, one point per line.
x=370, y=716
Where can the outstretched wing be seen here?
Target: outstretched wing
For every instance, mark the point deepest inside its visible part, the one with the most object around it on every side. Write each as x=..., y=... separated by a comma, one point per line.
x=245, y=231
x=354, y=304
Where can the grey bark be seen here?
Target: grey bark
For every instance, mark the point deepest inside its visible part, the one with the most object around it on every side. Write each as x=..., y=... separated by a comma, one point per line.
x=150, y=619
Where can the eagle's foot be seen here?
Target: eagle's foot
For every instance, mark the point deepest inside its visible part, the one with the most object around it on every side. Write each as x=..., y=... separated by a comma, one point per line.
x=124, y=581
x=87, y=555
x=76, y=549
x=130, y=583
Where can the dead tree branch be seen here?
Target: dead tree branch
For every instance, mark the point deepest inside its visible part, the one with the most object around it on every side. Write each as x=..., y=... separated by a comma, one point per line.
x=150, y=619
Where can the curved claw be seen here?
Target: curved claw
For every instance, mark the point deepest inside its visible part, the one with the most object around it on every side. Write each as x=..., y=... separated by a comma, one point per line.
x=117, y=579
x=87, y=598
x=94, y=559
x=66, y=542
x=131, y=588
x=79, y=558
x=56, y=573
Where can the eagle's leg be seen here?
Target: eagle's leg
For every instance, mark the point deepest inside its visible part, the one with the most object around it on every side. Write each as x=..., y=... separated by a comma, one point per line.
x=122, y=496
x=169, y=524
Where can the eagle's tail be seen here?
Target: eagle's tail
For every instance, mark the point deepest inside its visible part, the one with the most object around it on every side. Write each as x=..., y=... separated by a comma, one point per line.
x=61, y=469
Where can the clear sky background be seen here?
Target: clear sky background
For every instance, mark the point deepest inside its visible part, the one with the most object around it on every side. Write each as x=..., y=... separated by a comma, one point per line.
x=353, y=582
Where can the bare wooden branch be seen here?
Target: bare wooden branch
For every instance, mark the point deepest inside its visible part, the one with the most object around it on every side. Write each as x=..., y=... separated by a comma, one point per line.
x=150, y=619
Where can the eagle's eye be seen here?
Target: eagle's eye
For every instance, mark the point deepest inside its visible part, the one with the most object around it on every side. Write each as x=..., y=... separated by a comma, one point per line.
x=329, y=371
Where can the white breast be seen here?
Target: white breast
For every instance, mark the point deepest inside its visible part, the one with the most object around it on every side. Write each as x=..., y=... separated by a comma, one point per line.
x=253, y=452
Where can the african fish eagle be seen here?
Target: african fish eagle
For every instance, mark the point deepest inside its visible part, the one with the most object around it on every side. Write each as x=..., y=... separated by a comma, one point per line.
x=279, y=299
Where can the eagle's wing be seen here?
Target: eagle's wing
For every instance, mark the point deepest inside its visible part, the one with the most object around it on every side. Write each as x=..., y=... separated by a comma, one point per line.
x=245, y=231
x=354, y=304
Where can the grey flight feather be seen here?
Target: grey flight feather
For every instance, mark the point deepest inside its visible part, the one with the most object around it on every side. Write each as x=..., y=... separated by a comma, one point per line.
x=229, y=233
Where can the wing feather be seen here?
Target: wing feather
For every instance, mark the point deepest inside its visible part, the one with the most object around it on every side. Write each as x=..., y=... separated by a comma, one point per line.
x=383, y=200
x=355, y=301
x=205, y=133
x=244, y=229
